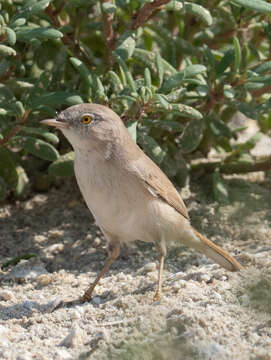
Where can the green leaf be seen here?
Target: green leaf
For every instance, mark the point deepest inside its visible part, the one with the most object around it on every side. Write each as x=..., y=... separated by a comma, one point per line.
x=225, y=62
x=7, y=51
x=191, y=136
x=57, y=98
x=248, y=109
x=108, y=7
x=18, y=22
x=63, y=166
x=4, y=66
x=250, y=143
x=22, y=183
x=218, y=127
x=209, y=56
x=176, y=96
x=82, y=70
x=264, y=67
x=41, y=132
x=174, y=5
x=126, y=72
x=237, y=54
x=229, y=92
x=178, y=78
x=19, y=108
x=32, y=9
x=152, y=148
x=199, y=11
x=159, y=67
x=27, y=33
x=8, y=169
x=132, y=129
x=3, y=112
x=220, y=189
x=264, y=79
x=115, y=82
x=147, y=77
x=98, y=89
x=126, y=45
x=186, y=111
x=148, y=59
x=11, y=36
x=165, y=125
x=162, y=102
x=257, y=5
x=40, y=148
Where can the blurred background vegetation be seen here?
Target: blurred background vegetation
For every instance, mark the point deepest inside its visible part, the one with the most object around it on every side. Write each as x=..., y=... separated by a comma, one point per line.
x=175, y=71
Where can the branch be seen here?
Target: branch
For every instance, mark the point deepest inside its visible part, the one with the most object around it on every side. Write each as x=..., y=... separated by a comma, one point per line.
x=146, y=12
x=15, y=129
x=233, y=167
x=108, y=33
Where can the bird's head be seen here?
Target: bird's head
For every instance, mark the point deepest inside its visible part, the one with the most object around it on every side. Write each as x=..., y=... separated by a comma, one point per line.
x=88, y=126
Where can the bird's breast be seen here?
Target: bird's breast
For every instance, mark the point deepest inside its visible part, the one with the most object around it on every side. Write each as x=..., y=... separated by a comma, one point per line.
x=113, y=197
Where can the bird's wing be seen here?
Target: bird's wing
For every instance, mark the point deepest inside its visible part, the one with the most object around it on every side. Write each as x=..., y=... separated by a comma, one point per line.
x=158, y=184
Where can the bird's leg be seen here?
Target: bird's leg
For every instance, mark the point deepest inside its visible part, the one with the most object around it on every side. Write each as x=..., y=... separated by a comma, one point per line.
x=113, y=256
x=161, y=248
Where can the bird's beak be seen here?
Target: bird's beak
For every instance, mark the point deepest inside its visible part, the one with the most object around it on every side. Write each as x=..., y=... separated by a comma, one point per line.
x=56, y=123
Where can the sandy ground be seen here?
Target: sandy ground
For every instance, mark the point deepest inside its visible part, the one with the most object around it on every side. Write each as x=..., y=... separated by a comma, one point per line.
x=205, y=313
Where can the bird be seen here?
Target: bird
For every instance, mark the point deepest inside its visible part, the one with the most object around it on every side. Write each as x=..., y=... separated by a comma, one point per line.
x=129, y=196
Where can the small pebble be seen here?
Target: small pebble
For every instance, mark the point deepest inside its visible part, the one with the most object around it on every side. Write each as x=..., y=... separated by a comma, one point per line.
x=56, y=233
x=63, y=354
x=96, y=242
x=216, y=295
x=6, y=295
x=25, y=356
x=96, y=300
x=73, y=339
x=45, y=279
x=148, y=268
x=55, y=248
x=245, y=299
x=75, y=315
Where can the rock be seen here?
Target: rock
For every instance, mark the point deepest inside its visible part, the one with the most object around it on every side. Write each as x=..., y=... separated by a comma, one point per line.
x=6, y=295
x=25, y=356
x=55, y=248
x=63, y=354
x=4, y=336
x=26, y=270
x=147, y=268
x=96, y=300
x=73, y=339
x=45, y=279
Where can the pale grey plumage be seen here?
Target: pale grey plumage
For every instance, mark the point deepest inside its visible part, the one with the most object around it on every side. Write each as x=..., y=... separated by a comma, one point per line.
x=128, y=194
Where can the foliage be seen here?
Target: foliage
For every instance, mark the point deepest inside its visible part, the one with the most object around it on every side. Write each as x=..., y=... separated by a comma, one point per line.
x=175, y=71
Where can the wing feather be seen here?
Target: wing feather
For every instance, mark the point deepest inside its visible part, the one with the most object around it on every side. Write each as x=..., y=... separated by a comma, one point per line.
x=158, y=184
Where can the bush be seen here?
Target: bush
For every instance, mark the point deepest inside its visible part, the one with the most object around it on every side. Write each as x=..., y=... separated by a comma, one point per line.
x=175, y=71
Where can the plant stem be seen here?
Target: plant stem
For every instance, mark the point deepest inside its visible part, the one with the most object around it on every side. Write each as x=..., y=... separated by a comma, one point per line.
x=232, y=167
x=15, y=129
x=146, y=12
x=108, y=33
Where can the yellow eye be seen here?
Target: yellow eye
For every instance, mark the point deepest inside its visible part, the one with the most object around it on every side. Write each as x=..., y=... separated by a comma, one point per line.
x=86, y=119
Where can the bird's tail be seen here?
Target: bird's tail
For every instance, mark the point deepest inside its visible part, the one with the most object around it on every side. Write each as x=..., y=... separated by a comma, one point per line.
x=215, y=253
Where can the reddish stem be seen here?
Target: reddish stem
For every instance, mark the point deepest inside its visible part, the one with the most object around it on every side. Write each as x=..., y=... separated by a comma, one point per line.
x=15, y=129
x=146, y=12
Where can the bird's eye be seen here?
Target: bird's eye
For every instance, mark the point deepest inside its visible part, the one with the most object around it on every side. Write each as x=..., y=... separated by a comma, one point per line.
x=86, y=119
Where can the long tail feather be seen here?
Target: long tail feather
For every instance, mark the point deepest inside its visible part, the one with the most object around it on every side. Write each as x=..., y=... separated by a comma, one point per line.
x=217, y=254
